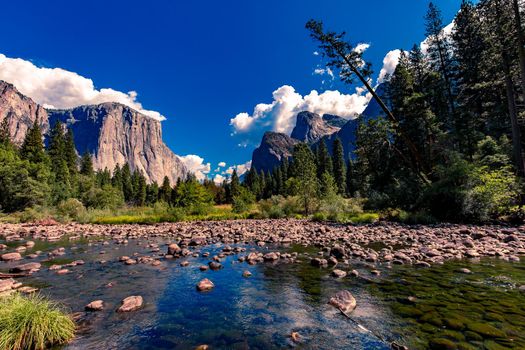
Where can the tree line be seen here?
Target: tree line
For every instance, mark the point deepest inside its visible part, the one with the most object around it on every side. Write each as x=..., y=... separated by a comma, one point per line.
x=35, y=174
x=451, y=143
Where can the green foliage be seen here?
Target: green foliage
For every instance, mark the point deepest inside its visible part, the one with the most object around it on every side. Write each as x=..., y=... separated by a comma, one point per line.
x=33, y=323
x=304, y=171
x=192, y=194
x=243, y=200
x=490, y=193
x=71, y=209
x=278, y=206
x=107, y=197
x=22, y=184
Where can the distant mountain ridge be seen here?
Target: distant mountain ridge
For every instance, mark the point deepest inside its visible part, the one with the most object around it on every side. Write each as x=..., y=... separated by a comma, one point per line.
x=311, y=128
x=111, y=132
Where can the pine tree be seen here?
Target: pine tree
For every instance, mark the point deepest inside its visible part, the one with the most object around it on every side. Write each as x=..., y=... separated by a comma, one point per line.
x=33, y=148
x=70, y=152
x=165, y=190
x=152, y=193
x=86, y=165
x=305, y=172
x=324, y=161
x=127, y=183
x=440, y=54
x=469, y=48
x=116, y=179
x=140, y=190
x=235, y=184
x=351, y=179
x=5, y=135
x=339, y=166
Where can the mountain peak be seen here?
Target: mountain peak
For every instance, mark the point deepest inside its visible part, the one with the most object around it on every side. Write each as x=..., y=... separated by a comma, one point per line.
x=310, y=127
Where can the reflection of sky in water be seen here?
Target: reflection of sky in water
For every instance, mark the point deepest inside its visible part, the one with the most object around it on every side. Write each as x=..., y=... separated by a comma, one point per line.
x=260, y=312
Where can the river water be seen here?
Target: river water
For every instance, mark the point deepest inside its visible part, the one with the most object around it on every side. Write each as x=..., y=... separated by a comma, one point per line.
x=437, y=307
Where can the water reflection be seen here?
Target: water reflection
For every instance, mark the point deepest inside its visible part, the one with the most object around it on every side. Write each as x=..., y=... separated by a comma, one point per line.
x=436, y=307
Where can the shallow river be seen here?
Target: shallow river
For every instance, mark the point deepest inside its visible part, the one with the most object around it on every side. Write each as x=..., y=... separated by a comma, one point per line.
x=437, y=307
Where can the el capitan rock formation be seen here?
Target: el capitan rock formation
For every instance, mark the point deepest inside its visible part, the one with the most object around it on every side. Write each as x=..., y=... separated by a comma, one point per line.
x=113, y=133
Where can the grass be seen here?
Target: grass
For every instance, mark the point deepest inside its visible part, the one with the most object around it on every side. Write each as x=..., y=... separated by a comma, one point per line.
x=33, y=322
x=157, y=215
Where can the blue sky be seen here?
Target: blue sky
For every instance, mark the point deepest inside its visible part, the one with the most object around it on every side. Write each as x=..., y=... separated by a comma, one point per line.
x=200, y=63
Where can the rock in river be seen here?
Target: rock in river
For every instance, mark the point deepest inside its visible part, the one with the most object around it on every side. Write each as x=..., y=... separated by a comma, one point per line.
x=96, y=305
x=205, y=285
x=11, y=256
x=131, y=303
x=338, y=273
x=344, y=301
x=29, y=267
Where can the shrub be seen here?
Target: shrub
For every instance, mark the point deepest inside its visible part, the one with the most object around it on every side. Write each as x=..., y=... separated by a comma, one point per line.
x=319, y=217
x=277, y=207
x=364, y=218
x=71, y=208
x=242, y=201
x=36, y=213
x=107, y=197
x=489, y=193
x=32, y=323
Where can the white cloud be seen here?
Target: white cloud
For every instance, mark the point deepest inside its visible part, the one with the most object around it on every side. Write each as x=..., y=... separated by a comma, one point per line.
x=59, y=88
x=323, y=71
x=361, y=47
x=389, y=65
x=196, y=165
x=392, y=58
x=222, y=164
x=241, y=168
x=280, y=114
x=218, y=179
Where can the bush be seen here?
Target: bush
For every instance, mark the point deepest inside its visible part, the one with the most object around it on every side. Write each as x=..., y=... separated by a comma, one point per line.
x=36, y=213
x=411, y=218
x=490, y=193
x=32, y=323
x=365, y=218
x=107, y=197
x=277, y=207
x=71, y=208
x=242, y=201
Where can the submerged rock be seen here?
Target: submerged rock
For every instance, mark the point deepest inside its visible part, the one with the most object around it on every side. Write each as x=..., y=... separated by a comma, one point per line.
x=344, y=301
x=131, y=303
x=29, y=267
x=96, y=305
x=338, y=273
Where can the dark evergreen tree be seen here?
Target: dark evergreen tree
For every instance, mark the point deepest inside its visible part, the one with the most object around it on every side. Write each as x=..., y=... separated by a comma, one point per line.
x=86, y=165
x=127, y=183
x=165, y=190
x=70, y=152
x=339, y=166
x=32, y=148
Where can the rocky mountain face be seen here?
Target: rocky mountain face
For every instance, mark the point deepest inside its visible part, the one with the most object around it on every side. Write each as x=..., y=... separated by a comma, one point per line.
x=111, y=132
x=274, y=148
x=311, y=127
x=20, y=111
x=116, y=134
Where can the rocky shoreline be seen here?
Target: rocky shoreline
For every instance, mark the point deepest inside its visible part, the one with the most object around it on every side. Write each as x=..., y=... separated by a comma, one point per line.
x=385, y=243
